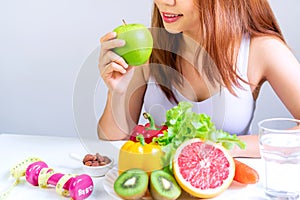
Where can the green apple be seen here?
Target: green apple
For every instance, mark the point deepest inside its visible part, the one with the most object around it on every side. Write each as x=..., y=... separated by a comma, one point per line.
x=139, y=43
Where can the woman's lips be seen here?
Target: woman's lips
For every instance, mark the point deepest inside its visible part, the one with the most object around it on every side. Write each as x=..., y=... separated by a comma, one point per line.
x=170, y=17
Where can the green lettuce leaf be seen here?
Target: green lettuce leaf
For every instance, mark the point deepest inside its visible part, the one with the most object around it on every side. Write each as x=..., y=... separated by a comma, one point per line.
x=184, y=124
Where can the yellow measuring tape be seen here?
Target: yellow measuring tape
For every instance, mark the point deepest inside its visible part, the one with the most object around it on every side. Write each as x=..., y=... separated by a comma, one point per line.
x=18, y=171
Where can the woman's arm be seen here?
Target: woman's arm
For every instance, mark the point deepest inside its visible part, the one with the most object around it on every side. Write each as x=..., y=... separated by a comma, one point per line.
x=252, y=147
x=273, y=61
x=122, y=110
x=112, y=124
x=126, y=86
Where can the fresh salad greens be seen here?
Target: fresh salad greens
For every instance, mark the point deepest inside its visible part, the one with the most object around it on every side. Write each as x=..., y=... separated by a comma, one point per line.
x=184, y=124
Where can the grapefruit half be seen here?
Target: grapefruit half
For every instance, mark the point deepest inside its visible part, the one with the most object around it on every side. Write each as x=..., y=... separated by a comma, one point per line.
x=203, y=169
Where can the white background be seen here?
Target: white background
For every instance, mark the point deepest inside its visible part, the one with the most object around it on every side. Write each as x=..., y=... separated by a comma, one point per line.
x=44, y=43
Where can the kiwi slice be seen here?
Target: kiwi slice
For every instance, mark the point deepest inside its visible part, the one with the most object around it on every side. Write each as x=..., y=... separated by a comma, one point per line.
x=132, y=184
x=163, y=186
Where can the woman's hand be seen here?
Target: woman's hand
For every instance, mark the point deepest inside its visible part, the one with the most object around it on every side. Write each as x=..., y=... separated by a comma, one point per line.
x=113, y=68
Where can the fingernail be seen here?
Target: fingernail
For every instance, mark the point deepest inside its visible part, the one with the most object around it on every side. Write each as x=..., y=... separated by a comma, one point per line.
x=122, y=42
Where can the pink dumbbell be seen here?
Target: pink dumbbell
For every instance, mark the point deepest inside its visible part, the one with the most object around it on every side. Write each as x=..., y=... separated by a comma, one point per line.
x=79, y=187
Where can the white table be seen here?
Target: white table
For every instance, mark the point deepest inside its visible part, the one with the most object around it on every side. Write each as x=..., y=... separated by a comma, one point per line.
x=55, y=152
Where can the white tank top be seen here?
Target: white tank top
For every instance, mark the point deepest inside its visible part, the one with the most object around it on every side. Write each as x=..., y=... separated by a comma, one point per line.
x=230, y=113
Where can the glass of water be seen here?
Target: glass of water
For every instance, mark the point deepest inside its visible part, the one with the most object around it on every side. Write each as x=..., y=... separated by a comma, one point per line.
x=279, y=140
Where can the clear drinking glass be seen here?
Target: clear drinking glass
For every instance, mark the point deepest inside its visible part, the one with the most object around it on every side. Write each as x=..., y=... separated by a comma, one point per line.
x=279, y=140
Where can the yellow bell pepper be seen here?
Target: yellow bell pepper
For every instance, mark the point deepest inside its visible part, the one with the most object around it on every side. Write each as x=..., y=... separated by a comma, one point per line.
x=140, y=155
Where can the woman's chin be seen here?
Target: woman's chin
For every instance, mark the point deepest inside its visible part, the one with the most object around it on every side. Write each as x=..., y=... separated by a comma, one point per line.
x=172, y=31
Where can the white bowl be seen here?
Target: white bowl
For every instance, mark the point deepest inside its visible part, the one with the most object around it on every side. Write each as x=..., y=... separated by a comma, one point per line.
x=94, y=171
x=98, y=170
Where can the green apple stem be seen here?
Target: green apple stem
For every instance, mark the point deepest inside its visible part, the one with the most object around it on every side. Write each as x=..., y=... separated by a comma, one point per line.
x=124, y=22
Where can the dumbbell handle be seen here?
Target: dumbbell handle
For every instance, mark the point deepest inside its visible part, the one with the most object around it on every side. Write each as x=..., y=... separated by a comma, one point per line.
x=53, y=180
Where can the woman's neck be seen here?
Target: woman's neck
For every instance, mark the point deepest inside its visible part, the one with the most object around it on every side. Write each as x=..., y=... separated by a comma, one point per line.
x=190, y=49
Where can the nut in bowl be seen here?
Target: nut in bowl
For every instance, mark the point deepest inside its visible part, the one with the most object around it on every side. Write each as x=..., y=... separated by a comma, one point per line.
x=95, y=165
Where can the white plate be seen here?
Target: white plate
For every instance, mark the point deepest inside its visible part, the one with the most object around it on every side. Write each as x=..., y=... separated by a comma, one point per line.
x=109, y=181
x=235, y=191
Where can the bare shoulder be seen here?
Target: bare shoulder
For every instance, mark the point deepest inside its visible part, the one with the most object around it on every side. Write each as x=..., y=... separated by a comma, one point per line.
x=268, y=53
x=264, y=41
x=146, y=71
x=141, y=73
x=268, y=50
x=272, y=60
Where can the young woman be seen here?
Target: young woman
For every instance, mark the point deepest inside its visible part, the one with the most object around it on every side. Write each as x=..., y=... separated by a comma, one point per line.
x=214, y=54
